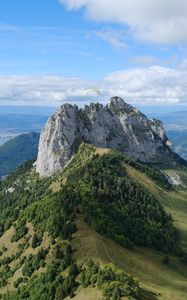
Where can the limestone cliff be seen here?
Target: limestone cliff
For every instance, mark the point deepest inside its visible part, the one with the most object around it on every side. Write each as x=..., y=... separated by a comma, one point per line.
x=117, y=125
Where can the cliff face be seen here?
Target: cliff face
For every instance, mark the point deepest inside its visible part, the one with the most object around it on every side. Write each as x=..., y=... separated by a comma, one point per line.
x=117, y=125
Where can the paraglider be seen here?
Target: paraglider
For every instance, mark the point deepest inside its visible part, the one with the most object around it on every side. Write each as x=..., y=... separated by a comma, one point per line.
x=91, y=92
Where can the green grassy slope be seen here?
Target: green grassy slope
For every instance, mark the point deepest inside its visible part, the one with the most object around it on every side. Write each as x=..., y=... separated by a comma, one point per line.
x=51, y=228
x=163, y=282
x=17, y=151
x=166, y=282
x=174, y=201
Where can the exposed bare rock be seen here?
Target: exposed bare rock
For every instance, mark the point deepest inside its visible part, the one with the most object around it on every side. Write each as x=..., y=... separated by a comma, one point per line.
x=173, y=178
x=117, y=125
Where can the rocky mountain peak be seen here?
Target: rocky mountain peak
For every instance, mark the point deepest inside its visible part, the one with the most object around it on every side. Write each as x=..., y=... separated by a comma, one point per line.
x=118, y=104
x=117, y=125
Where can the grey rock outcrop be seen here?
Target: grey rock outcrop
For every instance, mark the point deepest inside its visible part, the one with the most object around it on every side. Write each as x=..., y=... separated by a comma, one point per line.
x=117, y=125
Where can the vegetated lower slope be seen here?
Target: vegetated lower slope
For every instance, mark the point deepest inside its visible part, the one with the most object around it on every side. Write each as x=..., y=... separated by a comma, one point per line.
x=17, y=151
x=56, y=233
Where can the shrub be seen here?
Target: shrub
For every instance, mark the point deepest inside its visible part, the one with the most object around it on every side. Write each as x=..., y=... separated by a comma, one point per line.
x=166, y=260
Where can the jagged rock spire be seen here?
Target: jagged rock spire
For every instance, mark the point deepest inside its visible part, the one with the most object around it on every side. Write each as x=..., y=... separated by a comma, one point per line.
x=117, y=125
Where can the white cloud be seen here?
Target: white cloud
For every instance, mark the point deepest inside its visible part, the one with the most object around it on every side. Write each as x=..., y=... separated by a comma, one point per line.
x=45, y=90
x=149, y=85
x=157, y=21
x=112, y=37
x=139, y=85
x=183, y=64
x=144, y=60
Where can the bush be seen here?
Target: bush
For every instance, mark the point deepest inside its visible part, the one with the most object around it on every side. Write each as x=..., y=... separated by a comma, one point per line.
x=33, y=263
x=18, y=282
x=166, y=260
x=36, y=241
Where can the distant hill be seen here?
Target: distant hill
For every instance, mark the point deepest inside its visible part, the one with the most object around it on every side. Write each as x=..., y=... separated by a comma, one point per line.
x=175, y=124
x=15, y=124
x=179, y=140
x=175, y=121
x=18, y=150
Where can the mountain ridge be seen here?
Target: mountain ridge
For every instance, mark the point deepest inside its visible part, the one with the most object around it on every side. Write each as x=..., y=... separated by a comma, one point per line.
x=89, y=230
x=61, y=235
x=117, y=125
x=18, y=150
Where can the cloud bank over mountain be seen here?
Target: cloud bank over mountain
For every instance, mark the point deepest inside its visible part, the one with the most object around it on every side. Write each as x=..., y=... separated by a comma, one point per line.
x=139, y=85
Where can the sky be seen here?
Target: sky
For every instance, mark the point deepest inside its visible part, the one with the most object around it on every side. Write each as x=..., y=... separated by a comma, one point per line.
x=55, y=51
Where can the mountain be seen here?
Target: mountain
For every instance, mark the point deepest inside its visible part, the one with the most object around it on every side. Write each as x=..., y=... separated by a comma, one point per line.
x=179, y=142
x=176, y=121
x=105, y=227
x=14, y=124
x=15, y=120
x=176, y=127
x=17, y=151
x=117, y=125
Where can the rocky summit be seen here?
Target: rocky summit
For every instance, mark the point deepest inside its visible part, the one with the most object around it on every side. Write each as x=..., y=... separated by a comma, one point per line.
x=117, y=125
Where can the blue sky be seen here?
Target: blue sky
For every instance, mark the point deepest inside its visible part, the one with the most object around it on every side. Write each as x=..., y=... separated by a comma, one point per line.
x=51, y=51
x=39, y=37
x=42, y=37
